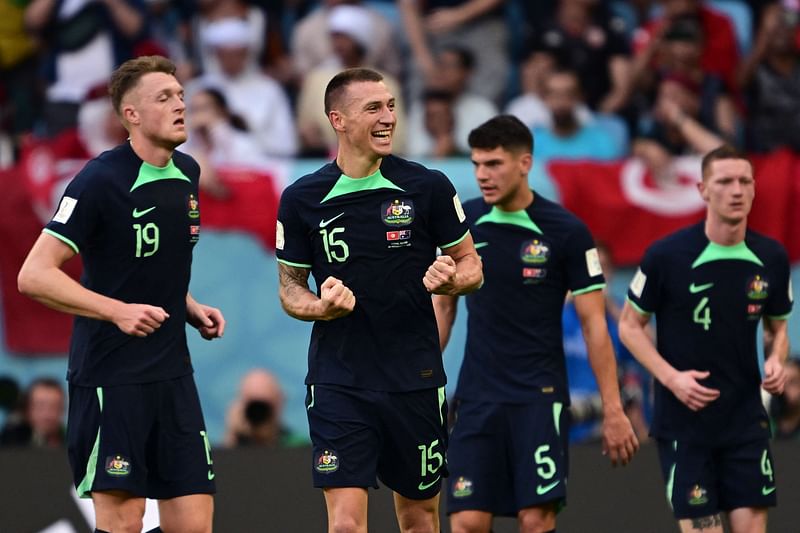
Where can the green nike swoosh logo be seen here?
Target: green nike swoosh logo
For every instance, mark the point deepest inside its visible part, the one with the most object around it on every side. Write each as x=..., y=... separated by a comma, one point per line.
x=423, y=486
x=137, y=213
x=543, y=489
x=766, y=491
x=694, y=289
x=211, y=475
x=481, y=244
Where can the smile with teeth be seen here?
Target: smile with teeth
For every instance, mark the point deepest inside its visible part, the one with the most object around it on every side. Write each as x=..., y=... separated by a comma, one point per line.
x=382, y=134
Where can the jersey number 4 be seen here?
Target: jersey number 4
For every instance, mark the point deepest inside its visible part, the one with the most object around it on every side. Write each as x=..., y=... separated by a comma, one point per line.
x=146, y=239
x=702, y=314
x=335, y=249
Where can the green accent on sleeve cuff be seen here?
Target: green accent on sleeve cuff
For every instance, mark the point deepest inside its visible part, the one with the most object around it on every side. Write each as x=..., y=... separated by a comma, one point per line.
x=443, y=246
x=62, y=239
x=780, y=317
x=590, y=288
x=638, y=309
x=289, y=263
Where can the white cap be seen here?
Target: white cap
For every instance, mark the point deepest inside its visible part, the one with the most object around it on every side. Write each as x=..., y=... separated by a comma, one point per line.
x=353, y=21
x=227, y=33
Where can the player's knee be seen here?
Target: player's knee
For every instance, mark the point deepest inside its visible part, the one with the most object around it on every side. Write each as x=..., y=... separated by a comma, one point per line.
x=419, y=519
x=347, y=524
x=466, y=526
x=537, y=521
x=127, y=523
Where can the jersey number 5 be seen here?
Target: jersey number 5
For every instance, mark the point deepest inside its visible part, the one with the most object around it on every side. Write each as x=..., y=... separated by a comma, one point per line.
x=702, y=314
x=335, y=249
x=146, y=239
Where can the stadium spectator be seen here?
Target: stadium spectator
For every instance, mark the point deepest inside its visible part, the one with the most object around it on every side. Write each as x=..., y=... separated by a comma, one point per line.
x=99, y=127
x=529, y=106
x=40, y=422
x=312, y=45
x=720, y=50
x=475, y=25
x=255, y=417
x=440, y=125
x=785, y=409
x=594, y=47
x=470, y=109
x=85, y=41
x=770, y=77
x=352, y=40
x=169, y=25
x=257, y=98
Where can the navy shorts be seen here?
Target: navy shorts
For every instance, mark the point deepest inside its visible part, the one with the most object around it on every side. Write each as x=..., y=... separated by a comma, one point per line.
x=702, y=481
x=398, y=437
x=148, y=440
x=506, y=457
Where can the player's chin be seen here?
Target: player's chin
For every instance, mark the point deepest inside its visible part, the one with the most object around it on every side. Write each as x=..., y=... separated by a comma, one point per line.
x=382, y=146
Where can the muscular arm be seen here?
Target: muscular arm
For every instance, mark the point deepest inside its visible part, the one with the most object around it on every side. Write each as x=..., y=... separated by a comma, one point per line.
x=299, y=302
x=42, y=279
x=619, y=440
x=776, y=348
x=684, y=385
x=457, y=271
x=445, y=308
x=128, y=20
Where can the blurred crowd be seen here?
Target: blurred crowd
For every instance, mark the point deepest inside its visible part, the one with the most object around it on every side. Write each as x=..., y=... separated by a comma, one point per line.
x=598, y=78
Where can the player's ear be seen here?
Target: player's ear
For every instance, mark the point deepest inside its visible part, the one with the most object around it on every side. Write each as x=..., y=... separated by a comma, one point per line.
x=701, y=186
x=336, y=119
x=129, y=114
x=526, y=162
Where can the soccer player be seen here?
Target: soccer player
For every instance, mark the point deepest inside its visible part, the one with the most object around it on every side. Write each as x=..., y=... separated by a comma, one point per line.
x=709, y=285
x=135, y=426
x=367, y=227
x=508, y=447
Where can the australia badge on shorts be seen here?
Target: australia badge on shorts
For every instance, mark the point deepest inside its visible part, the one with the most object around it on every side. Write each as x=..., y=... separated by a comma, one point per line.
x=327, y=462
x=117, y=465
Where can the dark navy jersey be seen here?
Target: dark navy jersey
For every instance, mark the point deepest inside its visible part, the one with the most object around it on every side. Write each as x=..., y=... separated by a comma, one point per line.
x=378, y=235
x=135, y=226
x=531, y=258
x=708, y=300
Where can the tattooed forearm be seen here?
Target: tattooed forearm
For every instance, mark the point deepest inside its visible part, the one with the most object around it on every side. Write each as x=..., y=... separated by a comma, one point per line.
x=707, y=522
x=296, y=298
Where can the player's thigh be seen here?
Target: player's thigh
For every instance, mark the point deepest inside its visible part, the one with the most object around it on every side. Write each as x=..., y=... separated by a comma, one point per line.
x=345, y=436
x=746, y=476
x=186, y=514
x=107, y=438
x=702, y=524
x=118, y=511
x=480, y=471
x=413, y=442
x=180, y=453
x=417, y=516
x=539, y=443
x=347, y=509
x=748, y=520
x=690, y=476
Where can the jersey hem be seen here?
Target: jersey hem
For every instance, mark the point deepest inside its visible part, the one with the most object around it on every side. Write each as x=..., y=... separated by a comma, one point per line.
x=590, y=288
x=291, y=264
x=443, y=246
x=62, y=239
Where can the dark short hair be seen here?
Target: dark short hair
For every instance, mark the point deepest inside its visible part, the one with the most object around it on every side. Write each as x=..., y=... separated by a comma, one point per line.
x=466, y=58
x=130, y=72
x=340, y=82
x=504, y=131
x=726, y=151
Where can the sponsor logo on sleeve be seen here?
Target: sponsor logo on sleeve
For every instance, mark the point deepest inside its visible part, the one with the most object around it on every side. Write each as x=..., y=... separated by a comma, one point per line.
x=65, y=209
x=459, y=209
x=593, y=263
x=638, y=282
x=280, y=242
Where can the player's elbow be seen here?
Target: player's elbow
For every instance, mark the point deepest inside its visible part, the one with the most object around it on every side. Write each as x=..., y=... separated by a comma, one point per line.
x=27, y=281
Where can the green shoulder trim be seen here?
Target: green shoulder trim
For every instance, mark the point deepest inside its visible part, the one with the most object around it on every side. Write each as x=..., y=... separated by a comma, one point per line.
x=347, y=185
x=515, y=218
x=62, y=239
x=448, y=245
x=718, y=252
x=590, y=288
x=149, y=173
x=289, y=263
x=638, y=309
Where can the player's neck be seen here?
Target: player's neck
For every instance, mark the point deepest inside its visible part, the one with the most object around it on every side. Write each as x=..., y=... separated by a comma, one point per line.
x=357, y=165
x=725, y=233
x=522, y=199
x=158, y=156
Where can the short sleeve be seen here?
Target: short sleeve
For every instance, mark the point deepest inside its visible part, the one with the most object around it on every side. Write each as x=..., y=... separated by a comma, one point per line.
x=292, y=245
x=643, y=289
x=584, y=273
x=448, y=220
x=78, y=210
x=780, y=299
